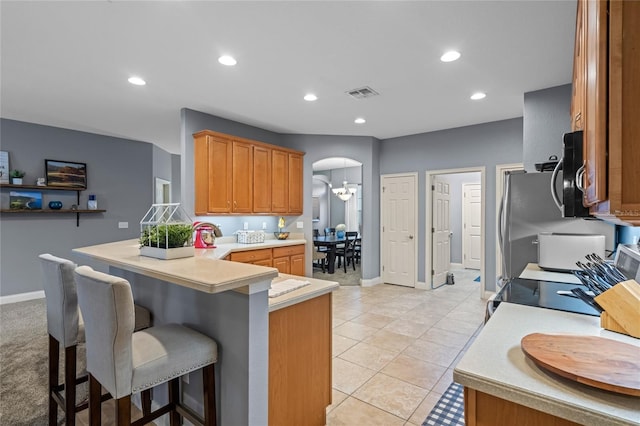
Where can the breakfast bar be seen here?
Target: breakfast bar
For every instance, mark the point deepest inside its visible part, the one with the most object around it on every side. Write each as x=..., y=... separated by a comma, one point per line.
x=229, y=302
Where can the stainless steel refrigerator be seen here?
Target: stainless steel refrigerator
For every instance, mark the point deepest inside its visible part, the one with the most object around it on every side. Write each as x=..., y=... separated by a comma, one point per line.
x=528, y=209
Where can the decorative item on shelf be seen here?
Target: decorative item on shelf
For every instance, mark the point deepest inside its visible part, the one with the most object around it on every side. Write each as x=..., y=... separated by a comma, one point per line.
x=66, y=174
x=74, y=207
x=55, y=205
x=166, y=232
x=340, y=228
x=92, y=204
x=347, y=190
x=4, y=167
x=16, y=176
x=25, y=200
x=281, y=235
x=41, y=182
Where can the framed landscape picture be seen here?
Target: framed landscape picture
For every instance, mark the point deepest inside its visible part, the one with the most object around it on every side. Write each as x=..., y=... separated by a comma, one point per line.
x=66, y=174
x=25, y=200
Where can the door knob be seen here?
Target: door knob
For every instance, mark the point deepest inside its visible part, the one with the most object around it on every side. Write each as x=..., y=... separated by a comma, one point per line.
x=411, y=237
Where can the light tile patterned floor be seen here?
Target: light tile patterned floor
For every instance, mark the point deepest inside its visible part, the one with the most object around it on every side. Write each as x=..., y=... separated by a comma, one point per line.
x=395, y=348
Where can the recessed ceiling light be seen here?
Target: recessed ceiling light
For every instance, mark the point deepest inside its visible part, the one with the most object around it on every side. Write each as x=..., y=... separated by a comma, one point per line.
x=450, y=56
x=310, y=97
x=359, y=120
x=227, y=60
x=137, y=81
x=478, y=95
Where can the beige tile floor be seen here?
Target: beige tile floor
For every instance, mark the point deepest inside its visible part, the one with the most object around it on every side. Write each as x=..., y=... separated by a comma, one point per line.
x=394, y=349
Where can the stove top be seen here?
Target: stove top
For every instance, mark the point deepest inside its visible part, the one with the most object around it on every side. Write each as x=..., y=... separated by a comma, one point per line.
x=543, y=294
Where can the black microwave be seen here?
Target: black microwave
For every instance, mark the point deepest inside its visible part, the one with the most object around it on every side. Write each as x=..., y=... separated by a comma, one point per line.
x=572, y=166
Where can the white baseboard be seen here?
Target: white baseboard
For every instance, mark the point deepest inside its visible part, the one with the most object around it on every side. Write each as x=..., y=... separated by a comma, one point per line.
x=421, y=285
x=22, y=297
x=371, y=282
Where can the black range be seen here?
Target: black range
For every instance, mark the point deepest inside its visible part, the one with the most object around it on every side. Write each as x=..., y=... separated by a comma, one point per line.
x=543, y=294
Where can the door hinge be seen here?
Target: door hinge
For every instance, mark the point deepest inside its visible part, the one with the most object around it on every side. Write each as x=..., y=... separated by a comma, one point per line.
x=383, y=267
x=433, y=187
x=384, y=188
x=433, y=272
x=433, y=230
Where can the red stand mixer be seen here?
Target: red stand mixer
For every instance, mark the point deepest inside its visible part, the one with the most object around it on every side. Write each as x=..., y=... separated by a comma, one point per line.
x=206, y=234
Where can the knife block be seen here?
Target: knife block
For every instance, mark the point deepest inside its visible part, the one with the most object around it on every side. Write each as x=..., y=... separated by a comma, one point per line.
x=621, y=304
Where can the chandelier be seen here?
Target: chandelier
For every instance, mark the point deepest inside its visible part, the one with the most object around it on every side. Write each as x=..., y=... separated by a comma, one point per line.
x=346, y=191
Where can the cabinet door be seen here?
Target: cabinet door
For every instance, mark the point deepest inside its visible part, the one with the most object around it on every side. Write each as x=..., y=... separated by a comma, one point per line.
x=295, y=183
x=595, y=114
x=266, y=262
x=212, y=169
x=279, y=181
x=579, y=71
x=297, y=265
x=261, y=179
x=251, y=256
x=242, y=177
x=282, y=264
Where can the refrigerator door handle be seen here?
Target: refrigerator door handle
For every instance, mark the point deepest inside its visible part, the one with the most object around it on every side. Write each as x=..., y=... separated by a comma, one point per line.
x=502, y=224
x=554, y=178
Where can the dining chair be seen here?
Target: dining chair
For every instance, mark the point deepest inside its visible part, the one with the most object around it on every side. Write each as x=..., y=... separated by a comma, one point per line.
x=126, y=362
x=357, y=246
x=346, y=254
x=329, y=232
x=65, y=326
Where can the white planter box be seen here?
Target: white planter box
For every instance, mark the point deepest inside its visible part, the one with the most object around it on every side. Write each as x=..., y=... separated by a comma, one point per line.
x=166, y=254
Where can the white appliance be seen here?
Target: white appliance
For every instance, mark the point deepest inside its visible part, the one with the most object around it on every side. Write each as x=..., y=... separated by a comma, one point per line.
x=628, y=260
x=560, y=251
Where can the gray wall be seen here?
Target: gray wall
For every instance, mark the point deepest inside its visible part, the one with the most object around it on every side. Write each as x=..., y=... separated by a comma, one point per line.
x=455, y=181
x=485, y=144
x=546, y=118
x=120, y=174
x=366, y=151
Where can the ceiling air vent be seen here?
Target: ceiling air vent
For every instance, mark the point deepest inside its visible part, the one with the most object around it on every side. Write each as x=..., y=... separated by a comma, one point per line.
x=362, y=92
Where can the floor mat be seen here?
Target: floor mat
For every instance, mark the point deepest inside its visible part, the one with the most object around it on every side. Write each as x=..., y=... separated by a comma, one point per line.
x=449, y=410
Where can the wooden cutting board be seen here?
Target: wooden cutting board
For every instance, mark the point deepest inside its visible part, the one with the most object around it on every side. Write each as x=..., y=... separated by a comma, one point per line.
x=595, y=361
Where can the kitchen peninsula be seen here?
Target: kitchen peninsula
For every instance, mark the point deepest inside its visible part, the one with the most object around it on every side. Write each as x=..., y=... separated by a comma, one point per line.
x=229, y=302
x=504, y=387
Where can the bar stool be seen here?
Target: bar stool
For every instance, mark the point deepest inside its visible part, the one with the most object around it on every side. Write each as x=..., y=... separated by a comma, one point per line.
x=66, y=327
x=124, y=362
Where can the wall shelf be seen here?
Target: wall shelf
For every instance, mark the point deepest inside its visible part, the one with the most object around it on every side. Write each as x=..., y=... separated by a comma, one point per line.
x=49, y=211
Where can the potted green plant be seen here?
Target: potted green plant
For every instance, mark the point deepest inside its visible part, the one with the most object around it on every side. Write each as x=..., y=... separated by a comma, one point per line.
x=167, y=241
x=16, y=176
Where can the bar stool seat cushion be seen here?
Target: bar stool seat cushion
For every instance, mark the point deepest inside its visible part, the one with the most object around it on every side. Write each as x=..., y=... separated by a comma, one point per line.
x=164, y=352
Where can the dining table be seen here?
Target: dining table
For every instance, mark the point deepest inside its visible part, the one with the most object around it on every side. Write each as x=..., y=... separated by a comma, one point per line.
x=331, y=242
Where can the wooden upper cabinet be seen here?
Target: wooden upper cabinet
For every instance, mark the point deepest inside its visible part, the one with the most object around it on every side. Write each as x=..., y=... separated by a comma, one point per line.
x=608, y=74
x=279, y=181
x=579, y=88
x=261, y=179
x=242, y=173
x=241, y=176
x=296, y=166
x=595, y=112
x=213, y=163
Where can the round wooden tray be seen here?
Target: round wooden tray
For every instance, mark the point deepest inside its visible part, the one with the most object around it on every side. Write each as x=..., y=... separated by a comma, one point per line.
x=595, y=361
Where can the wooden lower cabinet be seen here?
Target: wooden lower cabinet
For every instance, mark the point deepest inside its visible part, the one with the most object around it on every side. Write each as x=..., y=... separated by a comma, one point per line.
x=300, y=363
x=481, y=409
x=260, y=257
x=289, y=259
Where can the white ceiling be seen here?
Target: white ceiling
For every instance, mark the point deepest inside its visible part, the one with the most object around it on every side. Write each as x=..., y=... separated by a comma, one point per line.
x=66, y=64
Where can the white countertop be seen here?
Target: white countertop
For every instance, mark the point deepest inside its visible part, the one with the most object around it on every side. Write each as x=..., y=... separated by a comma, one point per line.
x=206, y=271
x=495, y=364
x=534, y=272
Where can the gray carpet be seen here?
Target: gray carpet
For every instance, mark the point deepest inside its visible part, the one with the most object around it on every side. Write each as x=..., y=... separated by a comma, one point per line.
x=23, y=364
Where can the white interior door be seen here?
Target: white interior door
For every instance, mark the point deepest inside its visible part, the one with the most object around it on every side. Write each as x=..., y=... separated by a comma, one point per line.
x=398, y=230
x=441, y=231
x=472, y=225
